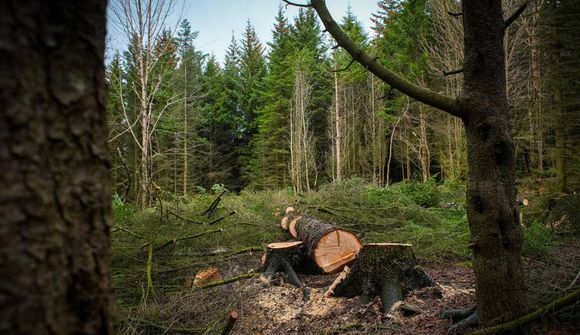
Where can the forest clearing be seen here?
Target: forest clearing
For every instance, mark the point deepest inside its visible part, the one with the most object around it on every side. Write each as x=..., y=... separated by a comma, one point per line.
x=289, y=167
x=431, y=218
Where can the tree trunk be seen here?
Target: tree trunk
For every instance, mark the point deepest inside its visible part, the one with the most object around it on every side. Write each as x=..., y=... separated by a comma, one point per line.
x=55, y=199
x=330, y=248
x=491, y=193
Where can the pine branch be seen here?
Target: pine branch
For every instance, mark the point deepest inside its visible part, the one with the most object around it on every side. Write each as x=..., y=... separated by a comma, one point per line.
x=448, y=73
x=400, y=83
x=566, y=300
x=297, y=4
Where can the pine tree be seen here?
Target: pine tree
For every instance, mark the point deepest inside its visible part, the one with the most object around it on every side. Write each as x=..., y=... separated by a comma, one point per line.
x=252, y=72
x=311, y=52
x=270, y=156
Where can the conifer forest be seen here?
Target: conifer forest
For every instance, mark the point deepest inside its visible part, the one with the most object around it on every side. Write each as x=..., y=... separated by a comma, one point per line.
x=412, y=173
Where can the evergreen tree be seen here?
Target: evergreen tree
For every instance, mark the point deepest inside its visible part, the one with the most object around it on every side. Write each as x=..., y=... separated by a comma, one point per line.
x=311, y=52
x=270, y=157
x=252, y=72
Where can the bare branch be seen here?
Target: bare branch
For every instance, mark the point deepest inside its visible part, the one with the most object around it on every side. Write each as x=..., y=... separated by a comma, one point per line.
x=514, y=16
x=345, y=68
x=416, y=92
x=448, y=73
x=297, y=4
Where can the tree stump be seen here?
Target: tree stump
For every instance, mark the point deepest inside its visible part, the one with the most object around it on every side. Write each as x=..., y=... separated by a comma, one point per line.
x=283, y=257
x=387, y=270
x=329, y=247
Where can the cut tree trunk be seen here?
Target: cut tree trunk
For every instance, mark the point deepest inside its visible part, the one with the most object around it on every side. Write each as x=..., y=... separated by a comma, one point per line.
x=387, y=270
x=283, y=257
x=330, y=247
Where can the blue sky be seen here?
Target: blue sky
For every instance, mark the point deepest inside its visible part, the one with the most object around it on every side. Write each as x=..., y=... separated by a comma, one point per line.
x=216, y=19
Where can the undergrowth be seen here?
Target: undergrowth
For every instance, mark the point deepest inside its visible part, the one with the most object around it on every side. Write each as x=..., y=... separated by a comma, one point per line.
x=429, y=216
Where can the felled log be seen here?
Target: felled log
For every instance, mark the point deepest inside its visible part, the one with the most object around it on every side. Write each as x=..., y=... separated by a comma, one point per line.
x=283, y=257
x=387, y=270
x=329, y=247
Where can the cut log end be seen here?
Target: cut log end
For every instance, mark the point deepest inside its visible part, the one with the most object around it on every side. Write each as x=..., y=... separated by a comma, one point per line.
x=283, y=257
x=335, y=250
x=285, y=245
x=204, y=277
x=292, y=226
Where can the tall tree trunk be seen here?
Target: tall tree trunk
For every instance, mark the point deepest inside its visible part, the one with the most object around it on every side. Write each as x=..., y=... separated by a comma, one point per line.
x=492, y=213
x=491, y=192
x=56, y=188
x=337, y=138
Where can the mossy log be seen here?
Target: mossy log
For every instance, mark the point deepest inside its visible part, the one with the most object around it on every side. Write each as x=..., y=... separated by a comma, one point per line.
x=283, y=257
x=329, y=247
x=387, y=270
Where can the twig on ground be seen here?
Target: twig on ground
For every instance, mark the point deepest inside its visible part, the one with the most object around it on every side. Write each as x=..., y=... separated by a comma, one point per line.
x=182, y=218
x=208, y=212
x=223, y=217
x=551, y=307
x=229, y=280
x=175, y=240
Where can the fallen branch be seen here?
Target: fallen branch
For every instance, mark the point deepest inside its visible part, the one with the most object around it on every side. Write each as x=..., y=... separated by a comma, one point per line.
x=114, y=229
x=448, y=73
x=182, y=218
x=208, y=212
x=175, y=240
x=147, y=323
x=229, y=280
x=514, y=16
x=342, y=329
x=223, y=217
x=149, y=266
x=551, y=307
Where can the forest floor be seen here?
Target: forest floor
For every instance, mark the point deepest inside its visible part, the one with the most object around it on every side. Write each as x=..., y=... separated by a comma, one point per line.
x=154, y=288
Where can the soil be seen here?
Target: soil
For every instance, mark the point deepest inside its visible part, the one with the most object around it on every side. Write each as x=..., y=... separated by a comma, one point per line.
x=279, y=308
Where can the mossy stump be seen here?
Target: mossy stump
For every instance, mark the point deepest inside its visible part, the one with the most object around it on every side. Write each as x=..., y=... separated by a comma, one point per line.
x=387, y=270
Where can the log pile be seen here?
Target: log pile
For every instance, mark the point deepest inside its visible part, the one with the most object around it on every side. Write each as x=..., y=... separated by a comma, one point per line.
x=386, y=270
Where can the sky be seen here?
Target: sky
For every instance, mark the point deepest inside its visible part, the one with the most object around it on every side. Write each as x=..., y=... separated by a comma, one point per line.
x=215, y=20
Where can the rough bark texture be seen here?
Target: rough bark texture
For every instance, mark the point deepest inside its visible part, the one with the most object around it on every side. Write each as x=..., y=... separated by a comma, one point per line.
x=491, y=193
x=329, y=252
x=492, y=211
x=55, y=198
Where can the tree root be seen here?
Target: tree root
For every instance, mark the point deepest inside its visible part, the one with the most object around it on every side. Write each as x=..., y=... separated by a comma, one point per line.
x=555, y=305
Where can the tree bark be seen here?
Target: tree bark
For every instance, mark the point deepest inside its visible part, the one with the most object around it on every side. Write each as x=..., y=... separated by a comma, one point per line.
x=492, y=211
x=55, y=199
x=496, y=237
